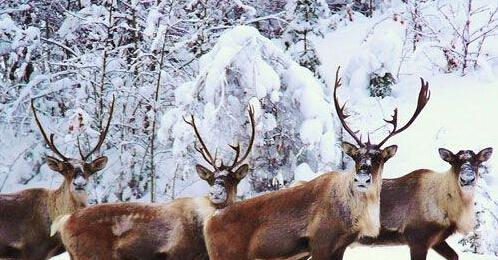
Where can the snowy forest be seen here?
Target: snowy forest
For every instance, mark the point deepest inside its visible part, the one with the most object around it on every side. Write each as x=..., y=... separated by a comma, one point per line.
x=164, y=60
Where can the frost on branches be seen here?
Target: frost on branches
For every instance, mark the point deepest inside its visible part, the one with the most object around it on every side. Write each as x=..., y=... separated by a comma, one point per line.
x=17, y=49
x=294, y=121
x=307, y=18
x=376, y=65
x=482, y=241
x=460, y=35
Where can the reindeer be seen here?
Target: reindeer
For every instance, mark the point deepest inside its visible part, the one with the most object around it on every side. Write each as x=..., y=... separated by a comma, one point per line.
x=322, y=216
x=424, y=207
x=26, y=216
x=156, y=231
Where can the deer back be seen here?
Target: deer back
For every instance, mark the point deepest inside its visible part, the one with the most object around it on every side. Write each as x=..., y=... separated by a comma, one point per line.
x=253, y=228
x=120, y=230
x=25, y=224
x=421, y=202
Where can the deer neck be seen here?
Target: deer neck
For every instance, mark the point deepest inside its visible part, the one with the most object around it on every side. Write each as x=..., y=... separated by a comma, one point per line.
x=65, y=201
x=458, y=207
x=365, y=207
x=369, y=196
x=231, y=198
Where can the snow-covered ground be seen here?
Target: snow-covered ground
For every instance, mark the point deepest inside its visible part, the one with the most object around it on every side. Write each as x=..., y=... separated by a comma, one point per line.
x=400, y=252
x=246, y=67
x=460, y=114
x=384, y=252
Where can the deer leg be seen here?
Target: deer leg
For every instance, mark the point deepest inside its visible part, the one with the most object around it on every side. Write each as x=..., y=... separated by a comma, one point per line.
x=418, y=252
x=326, y=247
x=339, y=254
x=321, y=250
x=445, y=250
x=10, y=252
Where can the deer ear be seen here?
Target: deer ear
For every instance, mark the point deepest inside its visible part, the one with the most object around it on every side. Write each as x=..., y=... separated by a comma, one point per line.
x=389, y=152
x=349, y=149
x=54, y=164
x=98, y=164
x=241, y=172
x=203, y=172
x=446, y=155
x=485, y=154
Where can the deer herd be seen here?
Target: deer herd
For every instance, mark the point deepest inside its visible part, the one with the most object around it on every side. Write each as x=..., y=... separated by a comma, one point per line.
x=316, y=220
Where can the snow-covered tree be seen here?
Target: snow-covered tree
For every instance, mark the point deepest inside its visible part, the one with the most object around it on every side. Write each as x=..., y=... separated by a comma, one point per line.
x=481, y=241
x=18, y=50
x=307, y=18
x=374, y=67
x=166, y=59
x=294, y=122
x=461, y=30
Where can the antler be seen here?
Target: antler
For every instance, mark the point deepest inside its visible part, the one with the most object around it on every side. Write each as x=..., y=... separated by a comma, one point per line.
x=102, y=135
x=340, y=110
x=423, y=98
x=236, y=160
x=79, y=147
x=203, y=150
x=50, y=141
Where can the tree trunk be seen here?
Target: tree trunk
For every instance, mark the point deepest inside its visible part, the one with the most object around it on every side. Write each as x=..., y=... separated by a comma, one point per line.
x=153, y=134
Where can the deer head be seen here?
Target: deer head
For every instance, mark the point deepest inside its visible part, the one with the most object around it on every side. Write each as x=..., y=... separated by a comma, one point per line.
x=465, y=165
x=223, y=179
x=76, y=172
x=370, y=158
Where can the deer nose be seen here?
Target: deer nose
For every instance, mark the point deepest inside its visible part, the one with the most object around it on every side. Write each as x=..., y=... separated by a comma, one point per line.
x=79, y=182
x=363, y=179
x=467, y=179
x=215, y=193
x=216, y=190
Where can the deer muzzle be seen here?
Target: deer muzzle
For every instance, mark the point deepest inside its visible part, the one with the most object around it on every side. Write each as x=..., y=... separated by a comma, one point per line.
x=467, y=175
x=217, y=194
x=363, y=180
x=79, y=183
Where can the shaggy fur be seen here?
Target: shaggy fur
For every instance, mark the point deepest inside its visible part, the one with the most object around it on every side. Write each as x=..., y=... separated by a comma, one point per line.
x=422, y=209
x=141, y=230
x=155, y=231
x=323, y=215
x=25, y=219
x=138, y=230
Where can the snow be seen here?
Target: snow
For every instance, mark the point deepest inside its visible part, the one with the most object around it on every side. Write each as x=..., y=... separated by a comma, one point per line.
x=245, y=68
x=400, y=252
x=363, y=252
x=311, y=131
x=458, y=115
x=216, y=66
x=303, y=172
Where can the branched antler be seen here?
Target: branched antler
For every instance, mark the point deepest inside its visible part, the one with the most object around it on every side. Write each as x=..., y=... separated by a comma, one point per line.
x=340, y=111
x=203, y=150
x=236, y=160
x=102, y=135
x=49, y=141
x=423, y=98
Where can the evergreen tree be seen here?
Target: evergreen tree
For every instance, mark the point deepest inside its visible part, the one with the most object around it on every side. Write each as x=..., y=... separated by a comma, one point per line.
x=307, y=19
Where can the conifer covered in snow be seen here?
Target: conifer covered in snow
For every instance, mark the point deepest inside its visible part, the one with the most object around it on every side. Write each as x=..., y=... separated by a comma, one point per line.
x=163, y=60
x=308, y=18
x=294, y=120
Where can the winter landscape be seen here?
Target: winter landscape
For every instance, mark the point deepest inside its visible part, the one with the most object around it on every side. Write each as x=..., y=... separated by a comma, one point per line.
x=163, y=61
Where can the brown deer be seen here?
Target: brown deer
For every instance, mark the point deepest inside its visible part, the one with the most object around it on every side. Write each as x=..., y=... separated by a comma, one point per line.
x=26, y=216
x=424, y=207
x=322, y=216
x=156, y=231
